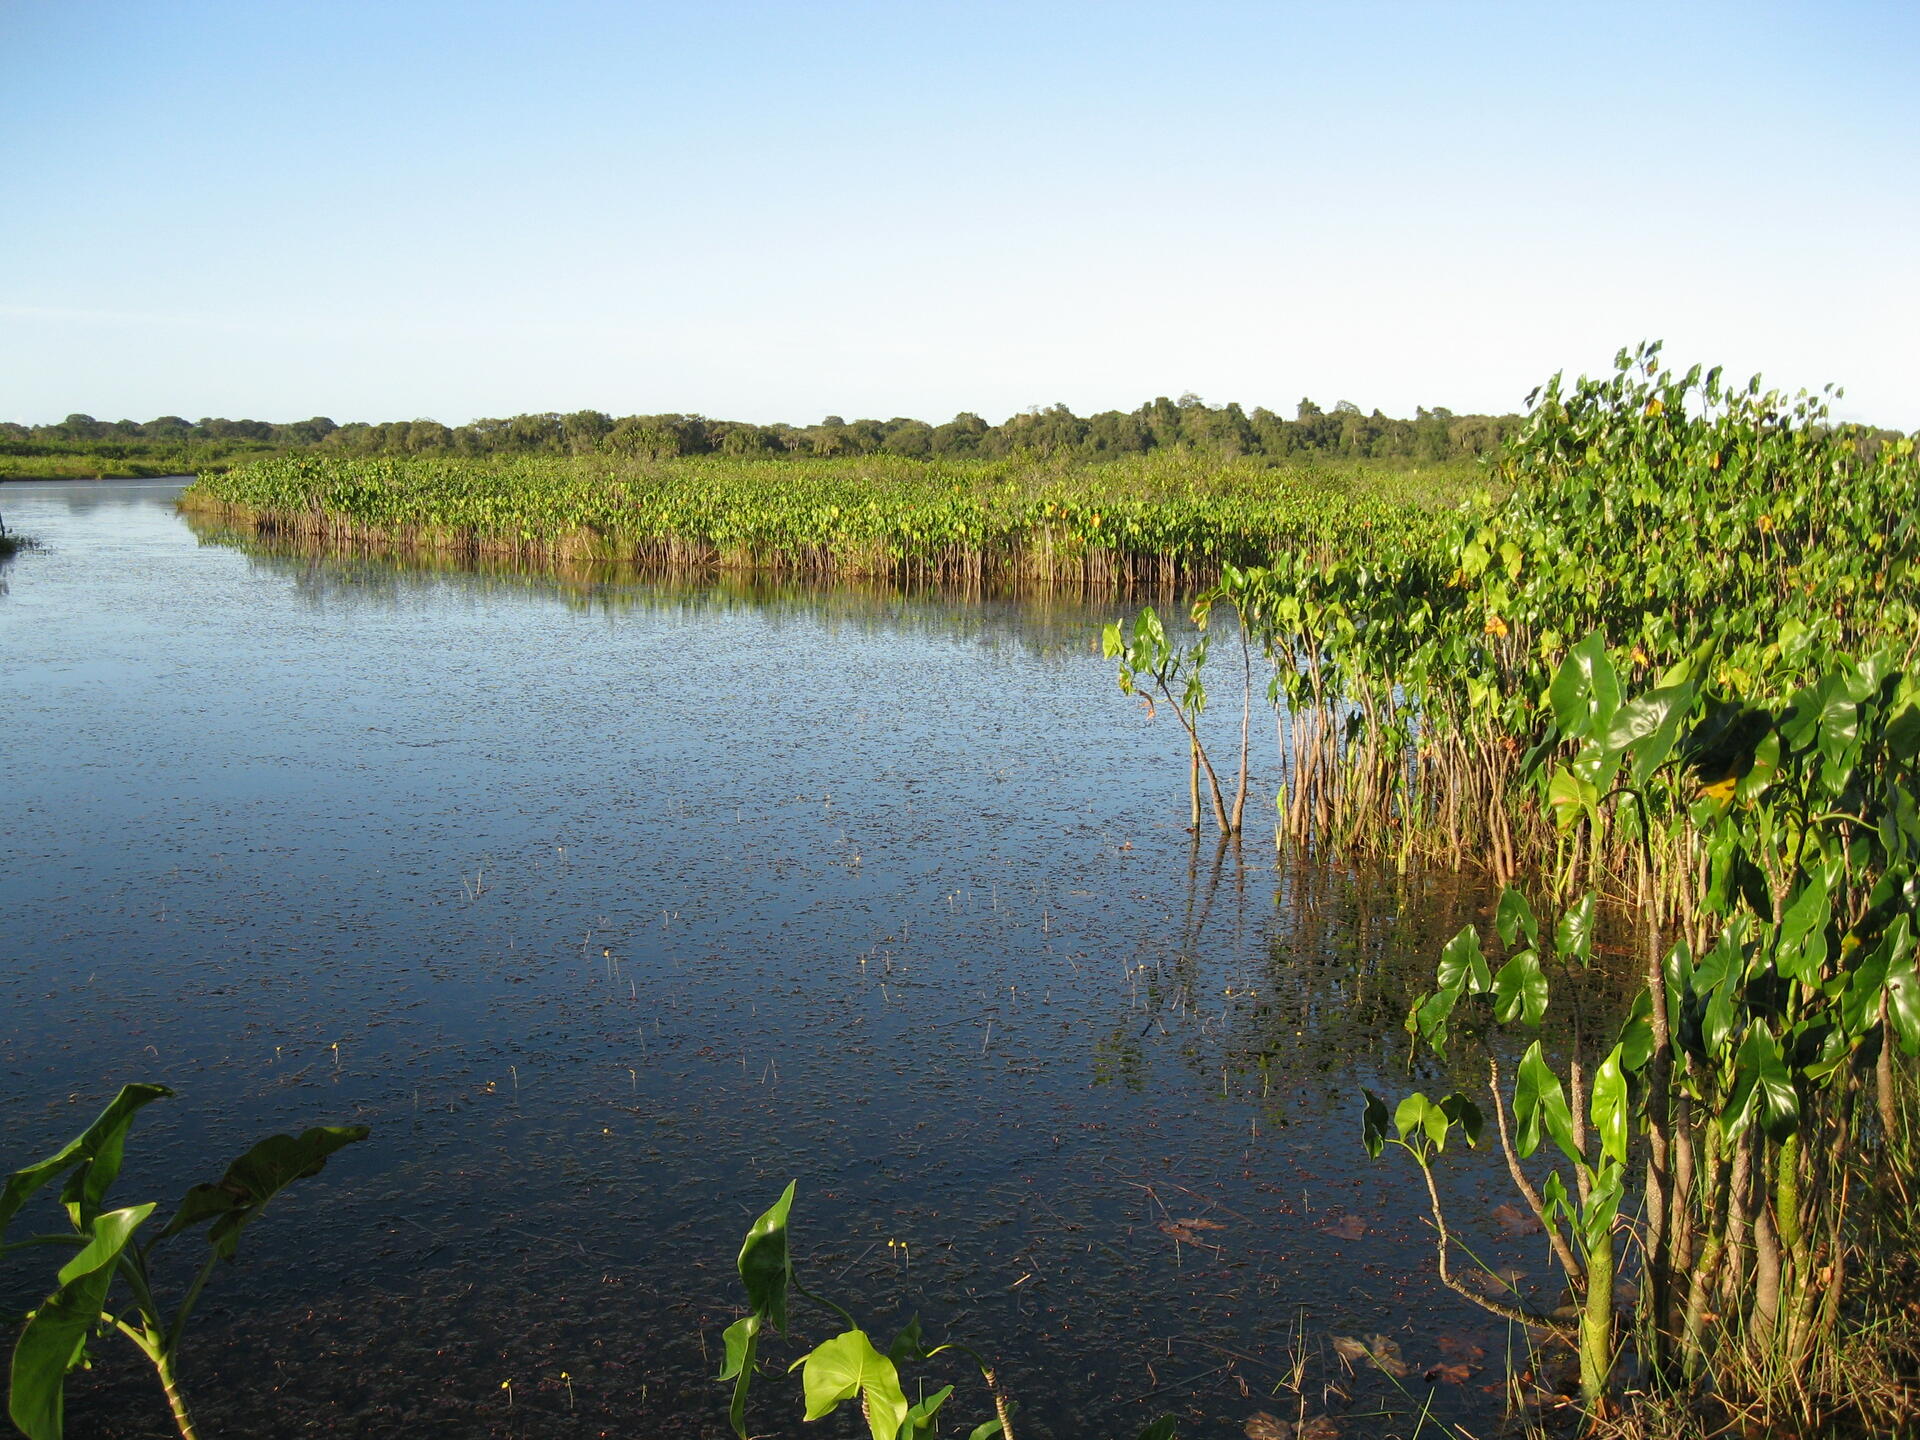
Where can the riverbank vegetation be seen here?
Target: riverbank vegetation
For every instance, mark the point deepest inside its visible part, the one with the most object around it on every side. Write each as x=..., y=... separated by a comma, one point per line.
x=1667, y=678
x=1170, y=520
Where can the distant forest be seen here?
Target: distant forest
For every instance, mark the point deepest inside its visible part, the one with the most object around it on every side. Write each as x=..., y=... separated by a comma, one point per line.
x=1345, y=431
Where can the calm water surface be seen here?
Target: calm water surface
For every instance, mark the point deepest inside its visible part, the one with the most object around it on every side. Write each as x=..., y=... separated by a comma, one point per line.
x=613, y=906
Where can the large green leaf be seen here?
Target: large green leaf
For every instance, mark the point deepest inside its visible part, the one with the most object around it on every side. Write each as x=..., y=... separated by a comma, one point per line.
x=1514, y=918
x=846, y=1366
x=1463, y=966
x=1570, y=797
x=742, y=1340
x=1520, y=990
x=55, y=1335
x=1539, y=1101
x=1636, y=1033
x=1605, y=1190
x=1801, y=946
x=1461, y=1111
x=1417, y=1115
x=1585, y=690
x=1573, y=936
x=1608, y=1108
x=96, y=1151
x=1903, y=1003
x=1763, y=1089
x=1373, y=1123
x=234, y=1200
x=766, y=1263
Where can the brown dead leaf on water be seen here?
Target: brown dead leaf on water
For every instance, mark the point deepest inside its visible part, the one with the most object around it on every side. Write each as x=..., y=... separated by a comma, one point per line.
x=1348, y=1348
x=1320, y=1427
x=1200, y=1223
x=1455, y=1348
x=1348, y=1227
x=1183, y=1232
x=1443, y=1373
x=1377, y=1351
x=1386, y=1354
x=1262, y=1426
x=1515, y=1222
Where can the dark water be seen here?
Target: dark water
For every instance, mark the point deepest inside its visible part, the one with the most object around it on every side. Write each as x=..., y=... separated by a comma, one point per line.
x=611, y=906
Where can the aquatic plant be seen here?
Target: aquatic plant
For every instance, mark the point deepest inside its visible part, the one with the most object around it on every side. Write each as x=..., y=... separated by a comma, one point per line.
x=848, y=1366
x=1757, y=1063
x=1166, y=521
x=108, y=1260
x=1411, y=673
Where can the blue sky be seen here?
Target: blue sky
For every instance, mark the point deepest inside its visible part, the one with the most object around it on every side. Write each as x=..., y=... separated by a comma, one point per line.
x=779, y=211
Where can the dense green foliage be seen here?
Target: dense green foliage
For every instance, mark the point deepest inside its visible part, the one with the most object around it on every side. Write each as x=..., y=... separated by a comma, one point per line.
x=1757, y=1064
x=1663, y=512
x=1745, y=571
x=1173, y=519
x=1187, y=424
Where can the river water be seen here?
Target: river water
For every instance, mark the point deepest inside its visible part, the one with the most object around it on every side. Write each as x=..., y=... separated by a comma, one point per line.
x=611, y=906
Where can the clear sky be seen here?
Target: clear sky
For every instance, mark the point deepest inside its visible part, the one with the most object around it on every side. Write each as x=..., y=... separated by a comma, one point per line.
x=779, y=211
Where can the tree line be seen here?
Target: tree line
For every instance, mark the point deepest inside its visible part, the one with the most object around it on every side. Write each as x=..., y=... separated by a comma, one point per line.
x=1189, y=423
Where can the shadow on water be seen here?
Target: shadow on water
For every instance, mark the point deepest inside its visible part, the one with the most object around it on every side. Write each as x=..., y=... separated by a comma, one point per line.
x=613, y=904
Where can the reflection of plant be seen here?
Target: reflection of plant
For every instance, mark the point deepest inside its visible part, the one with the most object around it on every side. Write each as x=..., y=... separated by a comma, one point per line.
x=53, y=1339
x=849, y=1366
x=1757, y=1059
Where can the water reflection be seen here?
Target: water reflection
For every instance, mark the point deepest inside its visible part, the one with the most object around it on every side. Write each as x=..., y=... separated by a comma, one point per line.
x=1034, y=615
x=613, y=904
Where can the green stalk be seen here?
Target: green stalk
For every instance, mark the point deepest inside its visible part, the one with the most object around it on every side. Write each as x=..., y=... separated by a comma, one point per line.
x=176, y=1402
x=1596, y=1326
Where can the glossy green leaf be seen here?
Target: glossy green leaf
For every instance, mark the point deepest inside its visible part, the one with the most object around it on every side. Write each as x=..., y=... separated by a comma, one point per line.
x=1602, y=1207
x=96, y=1151
x=1373, y=1124
x=910, y=1344
x=55, y=1335
x=1461, y=1111
x=766, y=1264
x=1608, y=1108
x=1463, y=966
x=1539, y=1102
x=1636, y=1033
x=742, y=1341
x=1520, y=990
x=1555, y=1204
x=1416, y=1115
x=1514, y=918
x=1903, y=1003
x=1763, y=1091
x=1573, y=936
x=1570, y=798
x=234, y=1200
x=848, y=1366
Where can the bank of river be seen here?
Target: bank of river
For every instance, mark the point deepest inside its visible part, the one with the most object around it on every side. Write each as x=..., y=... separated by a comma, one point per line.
x=611, y=906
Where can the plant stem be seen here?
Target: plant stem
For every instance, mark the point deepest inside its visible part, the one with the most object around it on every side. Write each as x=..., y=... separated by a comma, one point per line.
x=163, y=1362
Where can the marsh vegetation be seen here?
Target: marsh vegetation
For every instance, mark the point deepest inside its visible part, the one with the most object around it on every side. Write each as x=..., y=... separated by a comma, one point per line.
x=1644, y=681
